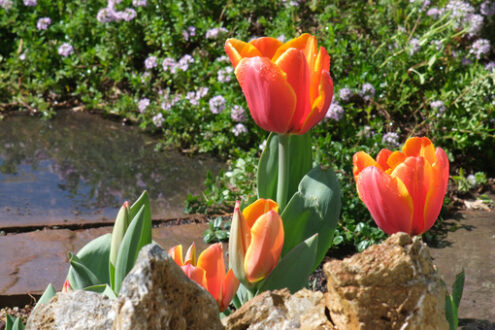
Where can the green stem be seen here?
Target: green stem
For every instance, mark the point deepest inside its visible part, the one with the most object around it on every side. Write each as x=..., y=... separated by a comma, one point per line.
x=283, y=171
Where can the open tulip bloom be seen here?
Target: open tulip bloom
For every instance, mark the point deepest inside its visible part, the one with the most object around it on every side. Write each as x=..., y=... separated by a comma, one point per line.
x=287, y=85
x=208, y=271
x=403, y=190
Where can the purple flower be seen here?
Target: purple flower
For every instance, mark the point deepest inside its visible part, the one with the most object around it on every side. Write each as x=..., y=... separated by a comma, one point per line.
x=480, y=47
x=459, y=11
x=150, y=62
x=128, y=14
x=169, y=64
x=345, y=94
x=189, y=32
x=439, y=106
x=158, y=120
x=43, y=23
x=65, y=49
x=239, y=129
x=30, y=3
x=238, y=114
x=225, y=75
x=475, y=23
x=414, y=46
x=143, y=104
x=202, y=92
x=106, y=15
x=184, y=62
x=139, y=3
x=282, y=38
x=368, y=91
x=487, y=8
x=438, y=44
x=166, y=105
x=391, y=139
x=223, y=58
x=434, y=12
x=6, y=4
x=368, y=132
x=217, y=104
x=22, y=57
x=335, y=112
x=490, y=66
x=215, y=33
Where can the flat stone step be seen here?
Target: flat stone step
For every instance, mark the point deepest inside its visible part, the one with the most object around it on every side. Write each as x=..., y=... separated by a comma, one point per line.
x=30, y=261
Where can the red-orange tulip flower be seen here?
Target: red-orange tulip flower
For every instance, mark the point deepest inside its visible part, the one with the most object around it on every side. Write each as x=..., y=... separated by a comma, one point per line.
x=403, y=190
x=287, y=85
x=208, y=271
x=256, y=240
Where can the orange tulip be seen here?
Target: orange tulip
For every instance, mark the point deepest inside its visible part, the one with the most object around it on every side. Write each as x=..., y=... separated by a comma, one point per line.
x=208, y=271
x=287, y=86
x=256, y=240
x=403, y=190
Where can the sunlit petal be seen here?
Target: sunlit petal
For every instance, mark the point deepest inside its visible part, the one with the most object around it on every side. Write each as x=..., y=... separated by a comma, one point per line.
x=211, y=260
x=266, y=45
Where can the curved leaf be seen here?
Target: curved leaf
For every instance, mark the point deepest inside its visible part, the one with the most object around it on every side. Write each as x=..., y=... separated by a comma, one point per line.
x=82, y=276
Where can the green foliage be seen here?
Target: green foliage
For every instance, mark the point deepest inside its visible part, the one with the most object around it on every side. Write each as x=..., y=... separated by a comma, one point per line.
x=453, y=300
x=14, y=323
x=216, y=232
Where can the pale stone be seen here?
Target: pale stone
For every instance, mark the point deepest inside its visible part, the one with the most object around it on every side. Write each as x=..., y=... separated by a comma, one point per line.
x=388, y=286
x=156, y=294
x=77, y=310
x=280, y=310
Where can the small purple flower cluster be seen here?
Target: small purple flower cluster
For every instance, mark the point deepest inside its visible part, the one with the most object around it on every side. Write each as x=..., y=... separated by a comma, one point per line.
x=238, y=114
x=225, y=75
x=345, y=94
x=110, y=14
x=194, y=97
x=391, y=139
x=43, y=23
x=139, y=3
x=335, y=112
x=30, y=3
x=143, y=104
x=217, y=104
x=158, y=120
x=414, y=46
x=6, y=4
x=65, y=49
x=368, y=91
x=480, y=47
x=150, y=62
x=189, y=32
x=239, y=129
x=439, y=106
x=215, y=33
x=223, y=58
x=490, y=66
x=183, y=63
x=487, y=8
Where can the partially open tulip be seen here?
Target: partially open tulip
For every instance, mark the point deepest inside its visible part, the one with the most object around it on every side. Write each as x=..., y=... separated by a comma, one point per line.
x=256, y=240
x=287, y=85
x=403, y=190
x=208, y=271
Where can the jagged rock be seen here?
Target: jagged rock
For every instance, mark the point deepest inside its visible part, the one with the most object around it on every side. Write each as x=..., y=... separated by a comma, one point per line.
x=73, y=310
x=156, y=294
x=388, y=286
x=280, y=310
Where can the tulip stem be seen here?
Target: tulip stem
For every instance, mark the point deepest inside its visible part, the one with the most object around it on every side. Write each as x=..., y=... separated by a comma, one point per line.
x=283, y=171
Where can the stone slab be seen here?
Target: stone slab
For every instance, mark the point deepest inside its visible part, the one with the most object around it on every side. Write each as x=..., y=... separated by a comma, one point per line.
x=471, y=247
x=32, y=260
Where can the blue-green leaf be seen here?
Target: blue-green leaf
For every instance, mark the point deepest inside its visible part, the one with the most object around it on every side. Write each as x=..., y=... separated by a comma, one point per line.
x=143, y=200
x=82, y=276
x=47, y=295
x=458, y=288
x=293, y=270
x=13, y=323
x=104, y=289
x=268, y=169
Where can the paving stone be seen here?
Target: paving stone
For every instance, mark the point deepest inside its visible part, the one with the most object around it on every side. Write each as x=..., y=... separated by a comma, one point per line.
x=32, y=260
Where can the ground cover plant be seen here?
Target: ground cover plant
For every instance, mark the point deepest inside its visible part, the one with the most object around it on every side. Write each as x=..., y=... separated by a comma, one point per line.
x=400, y=69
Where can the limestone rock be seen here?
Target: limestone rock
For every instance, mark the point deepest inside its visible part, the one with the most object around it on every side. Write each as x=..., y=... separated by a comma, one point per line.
x=388, y=286
x=280, y=310
x=156, y=294
x=73, y=310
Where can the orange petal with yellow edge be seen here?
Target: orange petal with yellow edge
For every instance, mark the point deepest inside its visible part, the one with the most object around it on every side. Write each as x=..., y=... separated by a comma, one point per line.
x=395, y=158
x=438, y=188
x=382, y=158
x=270, y=98
x=387, y=199
x=196, y=274
x=255, y=210
x=237, y=50
x=266, y=45
x=320, y=65
x=267, y=239
x=420, y=146
x=230, y=286
x=191, y=255
x=176, y=254
x=360, y=161
x=211, y=260
x=305, y=42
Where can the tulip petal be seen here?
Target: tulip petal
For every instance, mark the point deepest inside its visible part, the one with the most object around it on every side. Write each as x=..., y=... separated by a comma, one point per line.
x=394, y=159
x=420, y=146
x=320, y=105
x=237, y=50
x=270, y=97
x=238, y=242
x=211, y=260
x=267, y=46
x=191, y=255
x=360, y=161
x=320, y=65
x=382, y=158
x=387, y=199
x=176, y=254
x=255, y=210
x=294, y=64
x=196, y=274
x=267, y=239
x=230, y=286
x=416, y=174
x=438, y=188
x=305, y=42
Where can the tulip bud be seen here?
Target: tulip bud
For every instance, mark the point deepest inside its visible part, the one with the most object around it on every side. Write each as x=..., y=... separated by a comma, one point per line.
x=121, y=223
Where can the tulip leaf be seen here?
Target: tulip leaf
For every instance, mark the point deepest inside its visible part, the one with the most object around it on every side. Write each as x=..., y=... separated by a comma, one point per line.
x=300, y=163
x=293, y=270
x=129, y=248
x=47, y=295
x=104, y=289
x=82, y=276
x=13, y=323
x=94, y=255
x=314, y=209
x=143, y=200
x=119, y=228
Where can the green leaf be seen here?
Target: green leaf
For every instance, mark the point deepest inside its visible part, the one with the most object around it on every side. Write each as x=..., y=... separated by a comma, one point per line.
x=143, y=200
x=82, y=275
x=314, y=209
x=119, y=228
x=451, y=312
x=457, y=289
x=47, y=295
x=293, y=270
x=129, y=248
x=300, y=162
x=103, y=289
x=95, y=256
x=14, y=323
